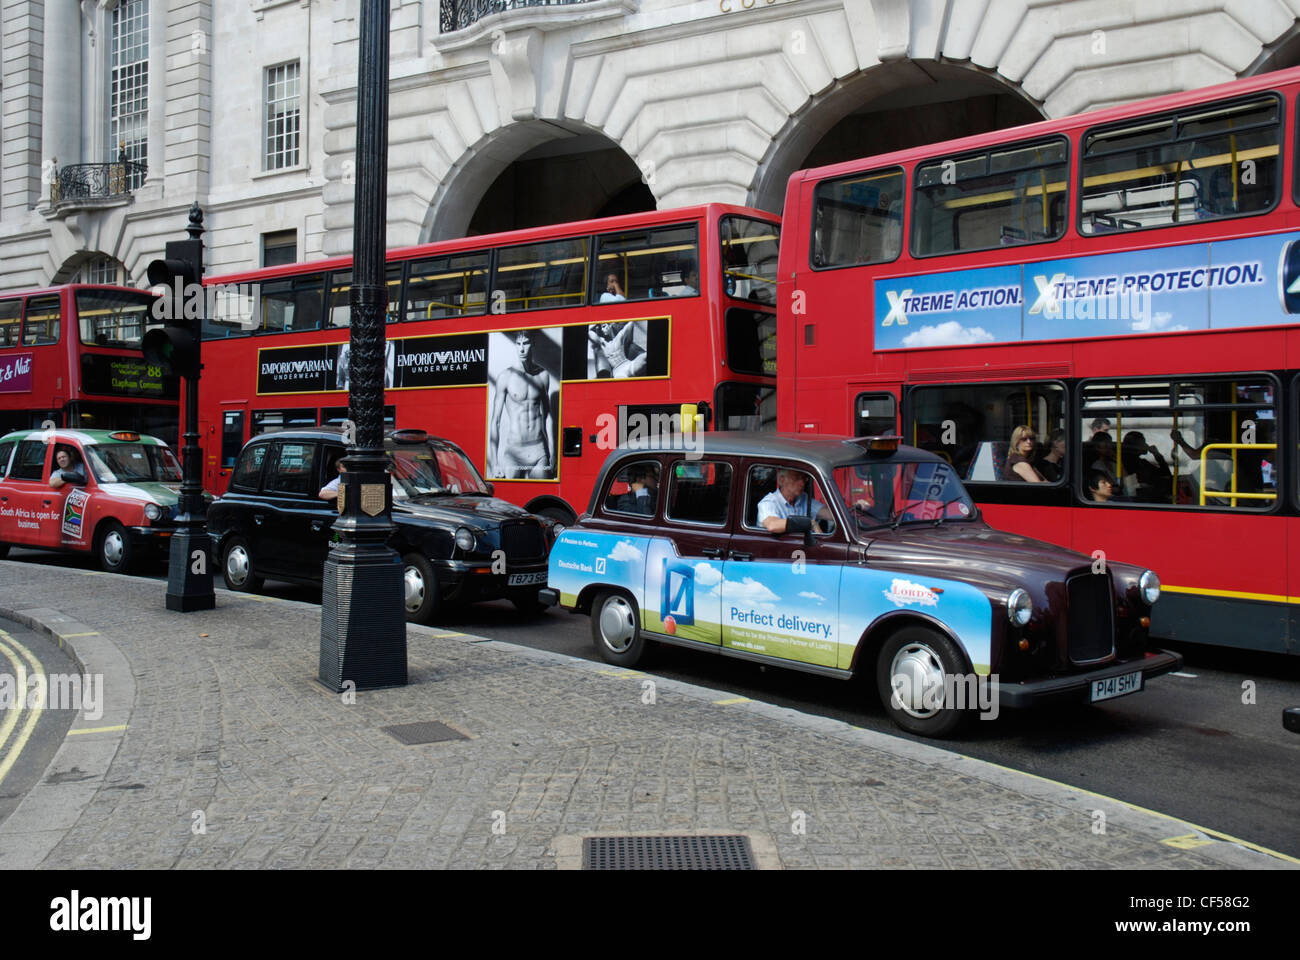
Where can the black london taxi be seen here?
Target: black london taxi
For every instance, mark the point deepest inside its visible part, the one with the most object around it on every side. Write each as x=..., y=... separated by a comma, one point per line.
x=843, y=556
x=451, y=533
x=115, y=498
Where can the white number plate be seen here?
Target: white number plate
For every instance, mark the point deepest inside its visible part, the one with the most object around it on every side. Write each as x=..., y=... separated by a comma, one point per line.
x=524, y=579
x=1113, y=687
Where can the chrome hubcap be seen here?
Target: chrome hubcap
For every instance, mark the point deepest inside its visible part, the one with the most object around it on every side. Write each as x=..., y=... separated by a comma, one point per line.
x=916, y=676
x=414, y=584
x=237, y=566
x=114, y=548
x=617, y=628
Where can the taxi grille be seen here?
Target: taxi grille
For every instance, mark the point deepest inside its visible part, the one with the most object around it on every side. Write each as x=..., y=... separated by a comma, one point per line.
x=1091, y=618
x=523, y=540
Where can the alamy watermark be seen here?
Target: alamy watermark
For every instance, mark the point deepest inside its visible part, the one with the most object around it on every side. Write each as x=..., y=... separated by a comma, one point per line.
x=968, y=691
x=54, y=691
x=641, y=431
x=233, y=304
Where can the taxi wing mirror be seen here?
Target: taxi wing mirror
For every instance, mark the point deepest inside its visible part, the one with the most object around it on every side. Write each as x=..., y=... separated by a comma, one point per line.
x=798, y=524
x=491, y=488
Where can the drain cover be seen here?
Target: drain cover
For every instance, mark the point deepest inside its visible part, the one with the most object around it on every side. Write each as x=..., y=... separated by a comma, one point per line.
x=723, y=852
x=427, y=731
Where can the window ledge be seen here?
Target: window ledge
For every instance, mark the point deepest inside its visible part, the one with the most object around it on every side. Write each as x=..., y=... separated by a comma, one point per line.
x=264, y=174
x=543, y=18
x=259, y=7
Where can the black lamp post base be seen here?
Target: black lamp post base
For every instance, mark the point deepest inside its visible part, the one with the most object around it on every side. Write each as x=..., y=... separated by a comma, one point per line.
x=188, y=590
x=363, y=624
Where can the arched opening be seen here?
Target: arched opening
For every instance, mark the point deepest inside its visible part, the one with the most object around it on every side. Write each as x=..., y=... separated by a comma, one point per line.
x=92, y=267
x=1281, y=53
x=534, y=173
x=889, y=107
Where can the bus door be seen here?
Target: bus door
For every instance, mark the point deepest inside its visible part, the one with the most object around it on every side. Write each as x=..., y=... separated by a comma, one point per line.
x=875, y=410
x=223, y=450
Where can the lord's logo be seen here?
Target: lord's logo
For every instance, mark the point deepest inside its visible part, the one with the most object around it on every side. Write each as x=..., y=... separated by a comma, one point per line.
x=677, y=593
x=904, y=593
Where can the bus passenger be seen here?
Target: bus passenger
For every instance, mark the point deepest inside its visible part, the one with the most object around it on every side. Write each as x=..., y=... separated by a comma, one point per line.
x=690, y=286
x=1018, y=465
x=67, y=469
x=613, y=290
x=1052, y=464
x=1146, y=474
x=1101, y=487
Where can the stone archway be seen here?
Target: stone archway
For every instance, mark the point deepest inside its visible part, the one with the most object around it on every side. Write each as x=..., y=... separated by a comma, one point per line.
x=891, y=106
x=533, y=173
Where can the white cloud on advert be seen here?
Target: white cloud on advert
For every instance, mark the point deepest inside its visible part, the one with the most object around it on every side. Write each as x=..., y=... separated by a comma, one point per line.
x=624, y=552
x=949, y=334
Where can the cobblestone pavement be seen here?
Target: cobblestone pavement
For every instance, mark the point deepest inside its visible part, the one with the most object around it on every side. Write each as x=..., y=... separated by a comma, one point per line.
x=218, y=748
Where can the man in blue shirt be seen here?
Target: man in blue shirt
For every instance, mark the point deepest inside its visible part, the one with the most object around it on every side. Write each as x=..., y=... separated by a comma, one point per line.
x=66, y=469
x=789, y=499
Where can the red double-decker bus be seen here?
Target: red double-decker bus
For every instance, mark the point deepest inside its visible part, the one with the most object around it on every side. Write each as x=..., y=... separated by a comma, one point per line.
x=71, y=355
x=535, y=350
x=1093, y=320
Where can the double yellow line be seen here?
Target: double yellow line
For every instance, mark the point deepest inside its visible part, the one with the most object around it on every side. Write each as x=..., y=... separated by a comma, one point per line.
x=19, y=658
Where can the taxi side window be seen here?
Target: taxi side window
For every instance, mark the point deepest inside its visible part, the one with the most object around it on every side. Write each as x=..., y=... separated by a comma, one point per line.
x=701, y=492
x=292, y=473
x=6, y=451
x=29, y=464
x=249, y=469
x=635, y=489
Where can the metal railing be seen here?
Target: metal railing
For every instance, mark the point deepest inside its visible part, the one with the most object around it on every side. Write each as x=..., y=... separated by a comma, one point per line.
x=459, y=14
x=87, y=181
x=1232, y=493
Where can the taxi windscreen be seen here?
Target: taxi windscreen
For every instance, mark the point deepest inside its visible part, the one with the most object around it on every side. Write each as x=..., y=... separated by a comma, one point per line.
x=133, y=463
x=434, y=469
x=894, y=492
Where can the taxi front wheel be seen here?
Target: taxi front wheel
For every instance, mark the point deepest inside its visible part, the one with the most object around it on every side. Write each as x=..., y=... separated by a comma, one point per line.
x=113, y=547
x=237, y=567
x=615, y=628
x=420, y=588
x=917, y=674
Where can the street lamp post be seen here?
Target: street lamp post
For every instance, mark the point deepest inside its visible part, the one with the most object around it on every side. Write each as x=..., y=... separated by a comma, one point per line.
x=363, y=620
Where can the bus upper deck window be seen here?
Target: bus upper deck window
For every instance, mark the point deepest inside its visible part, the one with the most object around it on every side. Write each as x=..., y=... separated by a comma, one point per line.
x=858, y=219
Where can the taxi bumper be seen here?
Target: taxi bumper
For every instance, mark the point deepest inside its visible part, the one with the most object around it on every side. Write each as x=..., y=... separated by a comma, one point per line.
x=1079, y=686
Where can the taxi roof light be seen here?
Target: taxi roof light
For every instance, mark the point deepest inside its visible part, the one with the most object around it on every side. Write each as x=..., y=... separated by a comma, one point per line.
x=884, y=443
x=410, y=435
x=128, y=436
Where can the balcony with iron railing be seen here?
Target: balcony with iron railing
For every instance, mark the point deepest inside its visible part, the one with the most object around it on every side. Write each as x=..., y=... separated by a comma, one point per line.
x=88, y=185
x=459, y=14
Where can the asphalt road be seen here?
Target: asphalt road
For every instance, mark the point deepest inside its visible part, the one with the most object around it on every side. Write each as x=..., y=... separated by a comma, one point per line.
x=1192, y=745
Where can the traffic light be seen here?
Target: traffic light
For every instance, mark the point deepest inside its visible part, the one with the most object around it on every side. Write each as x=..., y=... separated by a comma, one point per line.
x=176, y=279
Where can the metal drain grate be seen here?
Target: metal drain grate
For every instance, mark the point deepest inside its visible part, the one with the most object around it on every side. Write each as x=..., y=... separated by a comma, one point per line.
x=426, y=731
x=722, y=852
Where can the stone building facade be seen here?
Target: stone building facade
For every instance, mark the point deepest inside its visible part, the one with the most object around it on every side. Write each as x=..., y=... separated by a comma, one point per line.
x=118, y=114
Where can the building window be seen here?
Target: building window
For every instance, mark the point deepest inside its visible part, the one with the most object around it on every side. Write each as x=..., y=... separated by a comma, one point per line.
x=128, y=109
x=102, y=269
x=282, y=116
x=279, y=248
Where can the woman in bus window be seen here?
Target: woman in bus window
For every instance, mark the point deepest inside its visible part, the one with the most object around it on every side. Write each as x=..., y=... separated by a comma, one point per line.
x=1019, y=465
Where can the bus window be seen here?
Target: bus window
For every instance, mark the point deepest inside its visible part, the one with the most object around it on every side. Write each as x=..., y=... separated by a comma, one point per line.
x=751, y=341
x=11, y=312
x=337, y=416
x=453, y=286
x=111, y=318
x=41, y=325
x=292, y=303
x=645, y=263
x=749, y=252
x=232, y=437
x=1207, y=163
x=875, y=415
x=858, y=219
x=972, y=427
x=340, y=313
x=1210, y=442
x=272, y=421
x=540, y=276
x=745, y=406
x=1004, y=197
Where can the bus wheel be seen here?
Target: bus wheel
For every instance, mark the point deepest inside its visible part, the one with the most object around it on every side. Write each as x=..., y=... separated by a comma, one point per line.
x=559, y=515
x=615, y=629
x=910, y=677
x=237, y=567
x=113, y=548
x=420, y=587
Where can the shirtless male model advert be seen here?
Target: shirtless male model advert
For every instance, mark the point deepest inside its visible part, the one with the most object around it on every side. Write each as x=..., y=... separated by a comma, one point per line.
x=521, y=424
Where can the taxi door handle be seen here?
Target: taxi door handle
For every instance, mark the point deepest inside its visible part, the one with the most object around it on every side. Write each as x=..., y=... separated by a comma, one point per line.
x=738, y=555
x=714, y=552
x=258, y=518
x=317, y=524
x=47, y=502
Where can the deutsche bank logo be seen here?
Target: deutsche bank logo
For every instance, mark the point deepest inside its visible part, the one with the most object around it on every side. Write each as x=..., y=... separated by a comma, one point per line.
x=677, y=596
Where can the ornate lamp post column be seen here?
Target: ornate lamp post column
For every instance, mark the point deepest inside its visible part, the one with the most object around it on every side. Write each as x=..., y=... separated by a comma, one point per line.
x=363, y=620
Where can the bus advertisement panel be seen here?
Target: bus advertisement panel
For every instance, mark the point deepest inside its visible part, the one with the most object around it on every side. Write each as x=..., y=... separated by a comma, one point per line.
x=1092, y=320
x=536, y=351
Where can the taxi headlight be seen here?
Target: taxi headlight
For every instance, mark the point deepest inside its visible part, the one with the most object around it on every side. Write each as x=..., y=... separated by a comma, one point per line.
x=1150, y=587
x=464, y=539
x=153, y=511
x=1019, y=607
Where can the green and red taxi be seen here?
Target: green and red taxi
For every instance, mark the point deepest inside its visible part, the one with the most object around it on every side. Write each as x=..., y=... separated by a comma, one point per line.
x=116, y=499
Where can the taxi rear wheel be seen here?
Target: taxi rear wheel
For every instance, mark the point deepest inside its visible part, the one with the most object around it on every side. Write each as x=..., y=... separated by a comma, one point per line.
x=113, y=547
x=911, y=674
x=420, y=588
x=615, y=627
x=237, y=567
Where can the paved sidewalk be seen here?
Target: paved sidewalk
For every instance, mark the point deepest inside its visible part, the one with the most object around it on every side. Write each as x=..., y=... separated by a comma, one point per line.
x=232, y=733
